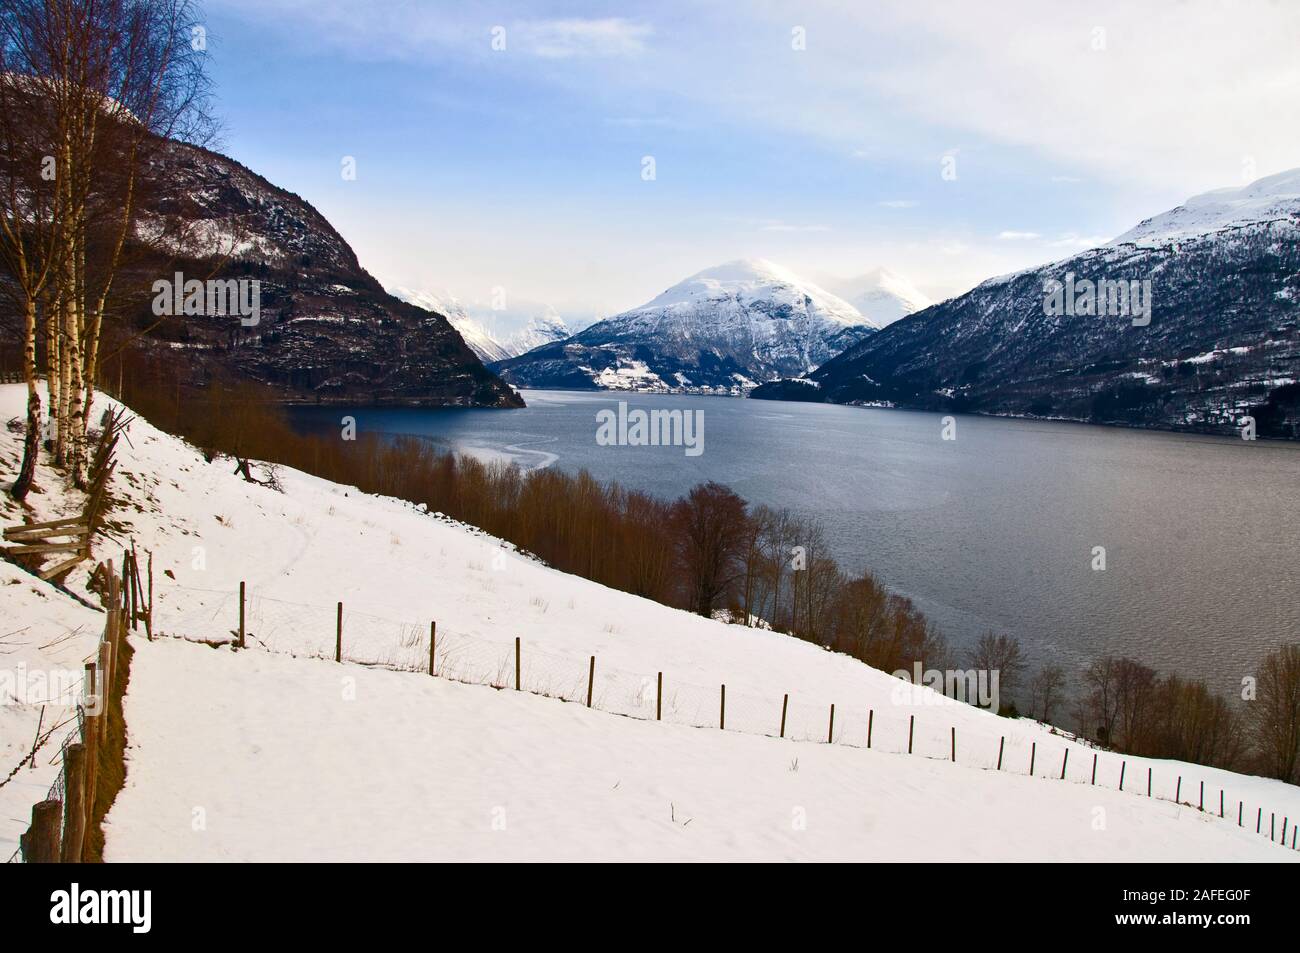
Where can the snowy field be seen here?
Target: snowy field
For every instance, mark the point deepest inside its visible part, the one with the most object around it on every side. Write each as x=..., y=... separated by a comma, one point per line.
x=268, y=750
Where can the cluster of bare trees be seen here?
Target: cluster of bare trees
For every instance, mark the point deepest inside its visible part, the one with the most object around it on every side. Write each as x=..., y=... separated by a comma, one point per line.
x=1132, y=708
x=87, y=89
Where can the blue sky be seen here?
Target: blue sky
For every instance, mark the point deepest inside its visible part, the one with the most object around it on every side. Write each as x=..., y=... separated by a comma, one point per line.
x=522, y=168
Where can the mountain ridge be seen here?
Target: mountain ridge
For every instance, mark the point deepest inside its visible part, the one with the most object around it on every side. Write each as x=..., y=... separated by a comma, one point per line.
x=1222, y=343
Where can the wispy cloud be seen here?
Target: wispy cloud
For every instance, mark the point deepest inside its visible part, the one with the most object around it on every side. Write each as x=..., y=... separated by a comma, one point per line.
x=778, y=226
x=575, y=37
x=1013, y=236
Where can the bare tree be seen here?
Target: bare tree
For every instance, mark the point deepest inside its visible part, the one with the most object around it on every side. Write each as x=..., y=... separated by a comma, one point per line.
x=1274, y=714
x=711, y=524
x=111, y=78
x=29, y=197
x=1045, y=691
x=1001, y=654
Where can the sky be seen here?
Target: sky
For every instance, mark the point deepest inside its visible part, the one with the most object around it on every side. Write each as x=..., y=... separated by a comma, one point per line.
x=590, y=155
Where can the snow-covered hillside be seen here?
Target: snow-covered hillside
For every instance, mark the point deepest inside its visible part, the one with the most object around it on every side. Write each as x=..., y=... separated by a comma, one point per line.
x=725, y=328
x=289, y=755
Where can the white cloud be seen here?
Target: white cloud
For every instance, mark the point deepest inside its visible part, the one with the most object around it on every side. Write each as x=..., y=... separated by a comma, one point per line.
x=1017, y=236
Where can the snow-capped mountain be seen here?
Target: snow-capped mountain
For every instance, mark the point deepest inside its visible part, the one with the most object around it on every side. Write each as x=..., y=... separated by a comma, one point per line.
x=881, y=296
x=1220, y=341
x=725, y=328
x=1275, y=198
x=545, y=328
x=477, y=337
x=542, y=329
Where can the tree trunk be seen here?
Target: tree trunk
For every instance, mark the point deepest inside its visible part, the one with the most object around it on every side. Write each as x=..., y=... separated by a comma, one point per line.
x=32, y=439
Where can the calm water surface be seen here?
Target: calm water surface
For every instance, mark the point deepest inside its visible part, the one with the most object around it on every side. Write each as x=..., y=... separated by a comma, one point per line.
x=993, y=530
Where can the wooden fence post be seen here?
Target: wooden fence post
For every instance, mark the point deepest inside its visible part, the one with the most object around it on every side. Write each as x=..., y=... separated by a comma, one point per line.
x=591, y=679
x=1148, y=782
x=1241, y=806
x=785, y=704
x=911, y=723
x=830, y=738
x=433, y=641
x=516, y=663
x=338, y=636
x=74, y=808
x=1122, y=766
x=1178, y=791
x=43, y=836
x=659, y=698
x=722, y=712
x=1033, y=754
x=241, y=614
x=954, y=743
x=1202, y=795
x=1272, y=823
x=1002, y=743
x=871, y=717
x=1094, y=767
x=1064, y=762
x=1220, y=802
x=105, y=685
x=1259, y=820
x=148, y=615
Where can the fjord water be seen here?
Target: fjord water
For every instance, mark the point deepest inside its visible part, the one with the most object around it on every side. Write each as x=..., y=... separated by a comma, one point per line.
x=992, y=530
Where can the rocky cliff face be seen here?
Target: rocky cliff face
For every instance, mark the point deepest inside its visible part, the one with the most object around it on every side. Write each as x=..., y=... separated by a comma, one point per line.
x=326, y=332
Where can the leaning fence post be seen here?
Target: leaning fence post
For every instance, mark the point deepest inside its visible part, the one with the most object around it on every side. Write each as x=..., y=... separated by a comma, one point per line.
x=433, y=640
x=911, y=723
x=1259, y=820
x=1122, y=766
x=1094, y=767
x=1002, y=743
x=241, y=613
x=1033, y=754
x=722, y=712
x=43, y=837
x=74, y=808
x=659, y=699
x=1178, y=790
x=338, y=636
x=871, y=716
x=830, y=737
x=1064, y=762
x=591, y=679
x=516, y=663
x=785, y=703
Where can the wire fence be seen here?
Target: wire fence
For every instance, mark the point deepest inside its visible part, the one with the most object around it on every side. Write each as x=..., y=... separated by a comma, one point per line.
x=336, y=632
